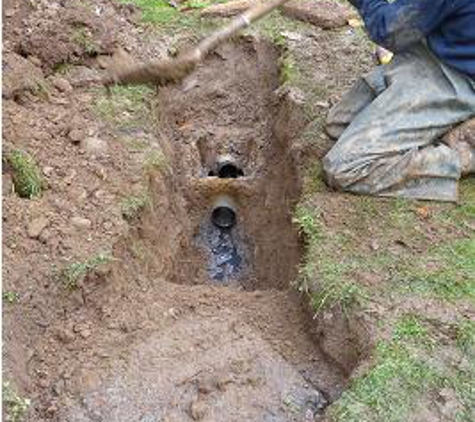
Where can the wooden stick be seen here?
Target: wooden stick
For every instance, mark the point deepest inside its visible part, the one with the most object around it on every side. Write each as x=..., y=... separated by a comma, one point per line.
x=124, y=70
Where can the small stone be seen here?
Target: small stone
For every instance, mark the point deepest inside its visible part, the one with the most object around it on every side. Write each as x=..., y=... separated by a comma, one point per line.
x=85, y=333
x=43, y=383
x=206, y=386
x=93, y=145
x=62, y=85
x=35, y=61
x=36, y=226
x=52, y=410
x=76, y=135
x=197, y=410
x=64, y=335
x=45, y=236
x=103, y=61
x=81, y=223
x=48, y=171
x=9, y=13
x=108, y=225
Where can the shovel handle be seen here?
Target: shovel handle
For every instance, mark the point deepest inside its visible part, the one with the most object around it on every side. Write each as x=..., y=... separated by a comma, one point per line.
x=237, y=24
x=161, y=72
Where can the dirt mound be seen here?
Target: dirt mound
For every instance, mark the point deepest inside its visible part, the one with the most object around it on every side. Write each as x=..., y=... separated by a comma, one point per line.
x=67, y=34
x=20, y=75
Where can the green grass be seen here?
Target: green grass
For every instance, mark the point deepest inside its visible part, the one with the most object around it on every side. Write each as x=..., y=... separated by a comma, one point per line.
x=405, y=369
x=401, y=372
x=289, y=71
x=465, y=337
x=132, y=206
x=15, y=407
x=161, y=14
x=446, y=273
x=334, y=287
x=26, y=175
x=71, y=275
x=313, y=180
x=462, y=215
x=136, y=144
x=84, y=39
x=10, y=297
x=124, y=107
x=156, y=160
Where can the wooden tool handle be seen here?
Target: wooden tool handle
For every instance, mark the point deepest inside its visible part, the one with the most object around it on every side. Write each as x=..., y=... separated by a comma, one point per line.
x=242, y=21
x=160, y=72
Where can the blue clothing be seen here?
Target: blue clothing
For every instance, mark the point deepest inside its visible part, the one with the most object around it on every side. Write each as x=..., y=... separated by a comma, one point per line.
x=448, y=26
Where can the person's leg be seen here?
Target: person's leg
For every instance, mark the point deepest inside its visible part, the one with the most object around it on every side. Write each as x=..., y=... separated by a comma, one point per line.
x=390, y=147
x=363, y=92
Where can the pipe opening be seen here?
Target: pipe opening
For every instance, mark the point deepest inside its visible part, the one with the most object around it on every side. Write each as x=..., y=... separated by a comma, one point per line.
x=223, y=217
x=229, y=171
x=226, y=169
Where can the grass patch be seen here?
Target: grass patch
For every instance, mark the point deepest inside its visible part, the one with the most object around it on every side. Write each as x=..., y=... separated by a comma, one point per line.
x=400, y=374
x=447, y=273
x=334, y=286
x=155, y=160
x=15, y=407
x=84, y=39
x=463, y=214
x=314, y=180
x=136, y=144
x=466, y=337
x=10, y=297
x=161, y=14
x=26, y=175
x=289, y=72
x=132, y=206
x=71, y=275
x=124, y=107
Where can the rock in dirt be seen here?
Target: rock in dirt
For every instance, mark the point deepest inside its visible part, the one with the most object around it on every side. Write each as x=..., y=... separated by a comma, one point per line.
x=62, y=85
x=64, y=335
x=76, y=135
x=19, y=75
x=197, y=410
x=81, y=223
x=36, y=226
x=7, y=184
x=94, y=145
x=325, y=14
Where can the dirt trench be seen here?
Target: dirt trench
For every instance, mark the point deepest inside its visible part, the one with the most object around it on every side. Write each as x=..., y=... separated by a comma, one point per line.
x=232, y=122
x=192, y=321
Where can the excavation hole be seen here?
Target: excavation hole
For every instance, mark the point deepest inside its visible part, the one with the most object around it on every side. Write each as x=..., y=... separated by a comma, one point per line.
x=240, y=131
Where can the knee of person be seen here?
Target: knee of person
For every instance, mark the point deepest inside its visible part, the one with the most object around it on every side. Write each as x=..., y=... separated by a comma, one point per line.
x=331, y=170
x=333, y=129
